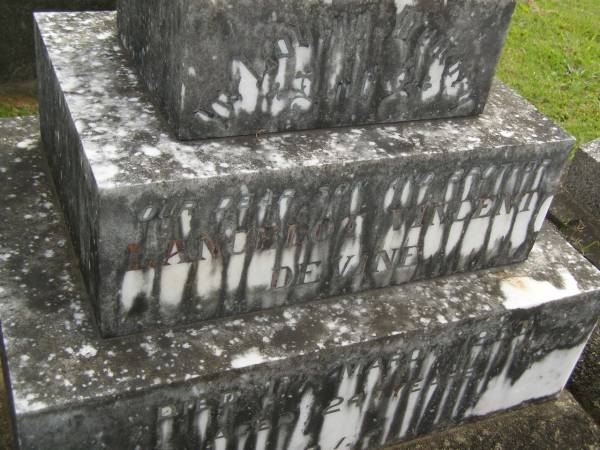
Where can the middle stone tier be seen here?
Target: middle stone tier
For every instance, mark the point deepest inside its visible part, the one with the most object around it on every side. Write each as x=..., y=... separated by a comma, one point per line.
x=171, y=232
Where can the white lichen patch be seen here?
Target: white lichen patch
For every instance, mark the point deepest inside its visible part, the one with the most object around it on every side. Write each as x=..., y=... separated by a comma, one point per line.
x=87, y=351
x=28, y=403
x=250, y=357
x=526, y=292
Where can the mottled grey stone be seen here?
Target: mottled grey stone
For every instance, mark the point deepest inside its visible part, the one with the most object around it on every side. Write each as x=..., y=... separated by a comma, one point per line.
x=556, y=424
x=239, y=67
x=171, y=232
x=358, y=370
x=582, y=180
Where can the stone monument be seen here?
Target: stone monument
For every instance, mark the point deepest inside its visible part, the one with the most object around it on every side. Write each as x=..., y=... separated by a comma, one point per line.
x=239, y=66
x=364, y=247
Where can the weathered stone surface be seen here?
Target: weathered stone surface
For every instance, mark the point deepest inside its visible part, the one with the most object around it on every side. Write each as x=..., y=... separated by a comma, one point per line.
x=582, y=180
x=358, y=370
x=171, y=232
x=235, y=67
x=585, y=383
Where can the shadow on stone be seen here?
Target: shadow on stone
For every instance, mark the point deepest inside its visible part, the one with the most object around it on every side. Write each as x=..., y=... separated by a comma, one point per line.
x=16, y=32
x=560, y=423
x=575, y=212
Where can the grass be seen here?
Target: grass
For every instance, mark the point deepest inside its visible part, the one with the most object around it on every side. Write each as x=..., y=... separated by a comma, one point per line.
x=17, y=105
x=552, y=57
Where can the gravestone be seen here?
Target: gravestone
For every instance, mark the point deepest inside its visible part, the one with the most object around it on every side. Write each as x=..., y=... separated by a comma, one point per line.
x=328, y=224
x=171, y=232
x=237, y=66
x=581, y=180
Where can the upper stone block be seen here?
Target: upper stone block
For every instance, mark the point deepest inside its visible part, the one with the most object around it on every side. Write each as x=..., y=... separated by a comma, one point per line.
x=237, y=67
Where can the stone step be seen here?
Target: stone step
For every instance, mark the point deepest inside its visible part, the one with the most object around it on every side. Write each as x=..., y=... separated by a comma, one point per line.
x=17, y=61
x=170, y=232
x=232, y=67
x=359, y=370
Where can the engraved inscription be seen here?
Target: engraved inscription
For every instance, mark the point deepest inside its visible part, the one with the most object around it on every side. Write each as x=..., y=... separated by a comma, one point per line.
x=335, y=67
x=370, y=402
x=255, y=249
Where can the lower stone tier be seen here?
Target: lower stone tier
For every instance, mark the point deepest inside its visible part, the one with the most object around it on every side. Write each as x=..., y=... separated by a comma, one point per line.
x=357, y=371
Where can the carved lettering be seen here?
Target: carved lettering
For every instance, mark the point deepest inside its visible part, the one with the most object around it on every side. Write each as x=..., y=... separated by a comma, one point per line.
x=483, y=208
x=407, y=256
x=175, y=253
x=275, y=241
x=282, y=277
x=133, y=257
x=341, y=265
x=384, y=261
x=308, y=272
x=322, y=230
x=239, y=243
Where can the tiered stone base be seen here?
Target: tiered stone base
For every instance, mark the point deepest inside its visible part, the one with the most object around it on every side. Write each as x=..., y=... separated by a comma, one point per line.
x=171, y=232
x=356, y=371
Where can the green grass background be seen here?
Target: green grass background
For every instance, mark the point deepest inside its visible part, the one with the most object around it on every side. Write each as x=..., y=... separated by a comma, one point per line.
x=552, y=57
